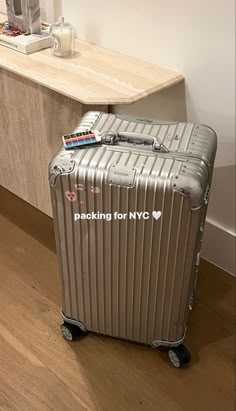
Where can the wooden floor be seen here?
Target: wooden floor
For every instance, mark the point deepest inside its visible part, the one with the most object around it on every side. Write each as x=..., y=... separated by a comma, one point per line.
x=41, y=371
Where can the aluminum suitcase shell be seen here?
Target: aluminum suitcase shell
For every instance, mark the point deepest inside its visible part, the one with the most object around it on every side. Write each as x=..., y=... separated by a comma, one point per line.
x=129, y=278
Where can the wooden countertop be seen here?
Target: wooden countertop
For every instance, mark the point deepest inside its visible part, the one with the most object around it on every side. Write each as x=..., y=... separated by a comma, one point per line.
x=95, y=75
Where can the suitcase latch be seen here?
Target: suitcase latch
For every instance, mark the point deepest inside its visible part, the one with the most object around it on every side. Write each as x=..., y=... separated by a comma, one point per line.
x=109, y=137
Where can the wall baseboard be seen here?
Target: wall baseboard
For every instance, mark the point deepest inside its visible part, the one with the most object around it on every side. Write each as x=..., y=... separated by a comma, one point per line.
x=219, y=246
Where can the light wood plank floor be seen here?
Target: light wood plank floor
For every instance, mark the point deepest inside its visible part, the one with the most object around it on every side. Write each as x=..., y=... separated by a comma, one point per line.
x=41, y=371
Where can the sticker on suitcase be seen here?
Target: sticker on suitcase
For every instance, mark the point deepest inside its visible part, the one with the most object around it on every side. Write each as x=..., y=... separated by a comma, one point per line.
x=93, y=189
x=70, y=195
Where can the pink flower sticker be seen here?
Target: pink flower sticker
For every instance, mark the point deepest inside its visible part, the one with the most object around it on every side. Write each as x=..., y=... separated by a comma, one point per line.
x=70, y=195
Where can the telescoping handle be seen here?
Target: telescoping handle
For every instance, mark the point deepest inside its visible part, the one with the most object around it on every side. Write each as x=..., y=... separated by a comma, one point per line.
x=111, y=137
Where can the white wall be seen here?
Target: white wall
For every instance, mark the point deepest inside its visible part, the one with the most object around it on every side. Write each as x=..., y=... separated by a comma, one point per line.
x=2, y=6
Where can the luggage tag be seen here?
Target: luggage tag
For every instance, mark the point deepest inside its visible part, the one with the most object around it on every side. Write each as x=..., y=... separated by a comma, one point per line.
x=83, y=138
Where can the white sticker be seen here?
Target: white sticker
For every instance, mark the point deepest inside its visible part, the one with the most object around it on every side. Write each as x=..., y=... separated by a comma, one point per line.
x=95, y=190
x=79, y=187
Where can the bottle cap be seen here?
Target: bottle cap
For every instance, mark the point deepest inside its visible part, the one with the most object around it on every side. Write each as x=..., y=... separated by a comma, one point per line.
x=61, y=20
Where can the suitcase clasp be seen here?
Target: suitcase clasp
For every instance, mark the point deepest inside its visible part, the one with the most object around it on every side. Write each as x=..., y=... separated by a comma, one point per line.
x=109, y=137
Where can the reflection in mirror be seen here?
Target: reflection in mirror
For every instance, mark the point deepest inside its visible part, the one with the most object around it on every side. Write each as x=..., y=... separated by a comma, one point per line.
x=17, y=7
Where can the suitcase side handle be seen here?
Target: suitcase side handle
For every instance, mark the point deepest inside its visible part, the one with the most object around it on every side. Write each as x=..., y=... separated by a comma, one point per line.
x=143, y=138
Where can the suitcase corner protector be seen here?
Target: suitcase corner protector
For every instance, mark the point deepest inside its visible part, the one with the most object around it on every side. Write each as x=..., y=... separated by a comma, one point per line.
x=190, y=188
x=56, y=168
x=165, y=343
x=69, y=320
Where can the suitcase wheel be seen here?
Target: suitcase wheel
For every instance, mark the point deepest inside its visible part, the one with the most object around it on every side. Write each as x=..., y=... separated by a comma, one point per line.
x=70, y=331
x=179, y=356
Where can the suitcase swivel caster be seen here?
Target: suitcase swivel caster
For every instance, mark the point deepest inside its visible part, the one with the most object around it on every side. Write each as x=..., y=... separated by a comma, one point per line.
x=179, y=356
x=70, y=331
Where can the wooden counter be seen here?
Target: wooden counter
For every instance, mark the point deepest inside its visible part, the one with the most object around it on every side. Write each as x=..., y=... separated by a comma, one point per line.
x=43, y=97
x=95, y=75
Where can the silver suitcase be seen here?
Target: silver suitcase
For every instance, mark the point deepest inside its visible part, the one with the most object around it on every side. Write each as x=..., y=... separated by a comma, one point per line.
x=129, y=214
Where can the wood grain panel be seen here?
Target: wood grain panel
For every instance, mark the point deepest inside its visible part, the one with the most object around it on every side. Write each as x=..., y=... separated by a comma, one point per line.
x=94, y=75
x=33, y=119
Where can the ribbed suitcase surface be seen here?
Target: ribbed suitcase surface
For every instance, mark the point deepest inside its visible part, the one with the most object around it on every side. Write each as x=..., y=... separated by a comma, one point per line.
x=132, y=278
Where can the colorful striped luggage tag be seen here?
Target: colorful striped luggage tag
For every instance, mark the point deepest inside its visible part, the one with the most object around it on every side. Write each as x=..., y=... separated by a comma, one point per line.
x=79, y=139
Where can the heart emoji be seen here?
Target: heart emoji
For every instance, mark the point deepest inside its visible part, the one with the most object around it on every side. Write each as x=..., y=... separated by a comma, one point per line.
x=70, y=195
x=156, y=214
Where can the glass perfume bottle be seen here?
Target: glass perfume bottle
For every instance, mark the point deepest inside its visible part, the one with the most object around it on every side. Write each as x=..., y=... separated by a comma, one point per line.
x=62, y=36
